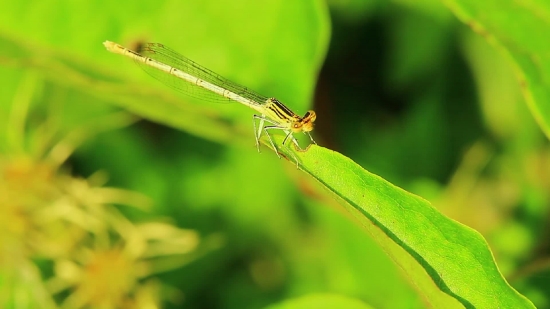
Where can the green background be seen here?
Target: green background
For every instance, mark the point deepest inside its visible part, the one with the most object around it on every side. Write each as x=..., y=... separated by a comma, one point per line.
x=445, y=99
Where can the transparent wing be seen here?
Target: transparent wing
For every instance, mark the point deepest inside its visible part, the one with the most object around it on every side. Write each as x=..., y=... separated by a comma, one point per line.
x=172, y=58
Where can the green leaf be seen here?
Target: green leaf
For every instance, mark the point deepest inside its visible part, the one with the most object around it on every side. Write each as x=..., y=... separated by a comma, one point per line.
x=520, y=30
x=320, y=301
x=455, y=257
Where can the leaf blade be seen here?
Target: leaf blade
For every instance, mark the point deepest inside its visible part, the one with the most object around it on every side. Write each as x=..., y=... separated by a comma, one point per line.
x=456, y=258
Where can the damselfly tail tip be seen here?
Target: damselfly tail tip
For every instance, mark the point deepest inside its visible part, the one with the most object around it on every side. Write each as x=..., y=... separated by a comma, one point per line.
x=110, y=46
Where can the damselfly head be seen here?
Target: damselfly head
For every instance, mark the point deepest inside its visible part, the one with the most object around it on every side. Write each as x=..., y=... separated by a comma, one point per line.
x=304, y=124
x=308, y=120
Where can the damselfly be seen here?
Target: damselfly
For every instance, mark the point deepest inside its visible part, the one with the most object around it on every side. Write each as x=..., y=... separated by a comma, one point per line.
x=185, y=75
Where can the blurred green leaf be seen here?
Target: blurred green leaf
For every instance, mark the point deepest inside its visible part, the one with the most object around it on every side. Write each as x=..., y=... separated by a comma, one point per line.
x=320, y=301
x=456, y=258
x=520, y=30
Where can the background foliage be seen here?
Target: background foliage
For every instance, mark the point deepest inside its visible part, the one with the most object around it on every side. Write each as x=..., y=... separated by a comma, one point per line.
x=447, y=100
